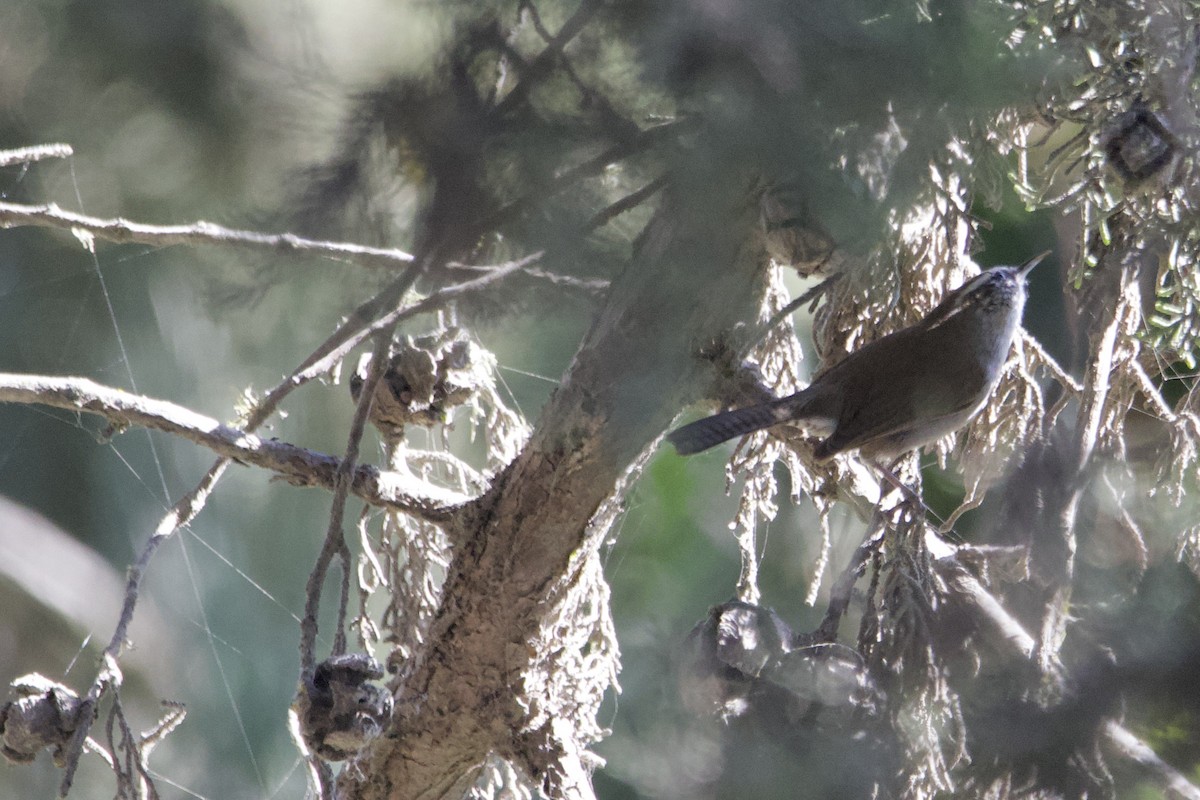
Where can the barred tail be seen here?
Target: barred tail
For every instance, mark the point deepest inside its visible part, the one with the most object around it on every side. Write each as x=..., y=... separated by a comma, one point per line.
x=711, y=431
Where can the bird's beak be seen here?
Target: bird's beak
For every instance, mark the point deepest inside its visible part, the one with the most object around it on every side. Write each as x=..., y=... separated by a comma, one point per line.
x=1028, y=266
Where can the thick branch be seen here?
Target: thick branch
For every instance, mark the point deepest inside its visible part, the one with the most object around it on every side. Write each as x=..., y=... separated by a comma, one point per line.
x=295, y=464
x=689, y=284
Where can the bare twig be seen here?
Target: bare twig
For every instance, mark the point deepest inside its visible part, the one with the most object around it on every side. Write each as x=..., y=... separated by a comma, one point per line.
x=119, y=230
x=364, y=322
x=110, y=676
x=295, y=464
x=632, y=200
x=1151, y=392
x=1098, y=378
x=13, y=215
x=540, y=66
x=592, y=287
x=38, y=152
x=335, y=544
x=334, y=538
x=592, y=166
x=812, y=295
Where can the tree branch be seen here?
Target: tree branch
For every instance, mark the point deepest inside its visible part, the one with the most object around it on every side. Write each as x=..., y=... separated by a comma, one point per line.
x=297, y=465
x=540, y=66
x=1119, y=741
x=38, y=152
x=13, y=215
x=335, y=540
x=465, y=693
x=1007, y=634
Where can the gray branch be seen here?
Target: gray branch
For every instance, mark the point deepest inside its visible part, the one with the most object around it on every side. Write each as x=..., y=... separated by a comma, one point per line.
x=297, y=465
x=695, y=275
x=38, y=152
x=50, y=215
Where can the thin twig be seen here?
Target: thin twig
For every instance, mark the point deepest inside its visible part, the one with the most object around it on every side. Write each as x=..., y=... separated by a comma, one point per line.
x=110, y=675
x=1098, y=379
x=339, y=634
x=540, y=66
x=592, y=287
x=593, y=166
x=38, y=152
x=334, y=538
x=363, y=322
x=843, y=588
x=119, y=230
x=1152, y=394
x=812, y=295
x=297, y=465
x=605, y=215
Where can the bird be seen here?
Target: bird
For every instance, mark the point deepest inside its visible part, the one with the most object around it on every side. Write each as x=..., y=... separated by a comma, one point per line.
x=901, y=391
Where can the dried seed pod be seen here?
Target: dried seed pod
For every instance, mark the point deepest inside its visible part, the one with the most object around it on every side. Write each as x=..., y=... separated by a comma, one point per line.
x=339, y=710
x=1139, y=144
x=43, y=715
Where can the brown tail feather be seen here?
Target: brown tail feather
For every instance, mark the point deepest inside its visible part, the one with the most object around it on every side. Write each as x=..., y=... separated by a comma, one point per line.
x=711, y=431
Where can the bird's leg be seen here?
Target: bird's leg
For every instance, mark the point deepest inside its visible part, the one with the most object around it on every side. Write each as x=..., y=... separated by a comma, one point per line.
x=910, y=494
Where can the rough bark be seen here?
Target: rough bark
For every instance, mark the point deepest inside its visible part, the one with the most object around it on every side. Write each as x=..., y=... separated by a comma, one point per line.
x=694, y=275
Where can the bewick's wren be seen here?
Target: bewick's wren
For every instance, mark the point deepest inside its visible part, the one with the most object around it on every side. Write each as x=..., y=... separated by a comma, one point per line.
x=905, y=390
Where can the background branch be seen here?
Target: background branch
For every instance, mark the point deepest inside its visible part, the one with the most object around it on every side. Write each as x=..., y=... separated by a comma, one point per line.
x=39, y=152
x=1004, y=632
x=297, y=465
x=50, y=215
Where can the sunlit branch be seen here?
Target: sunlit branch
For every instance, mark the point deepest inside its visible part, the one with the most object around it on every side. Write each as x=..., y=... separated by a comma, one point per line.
x=1119, y=741
x=39, y=152
x=295, y=464
x=119, y=230
x=1053, y=367
x=589, y=287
